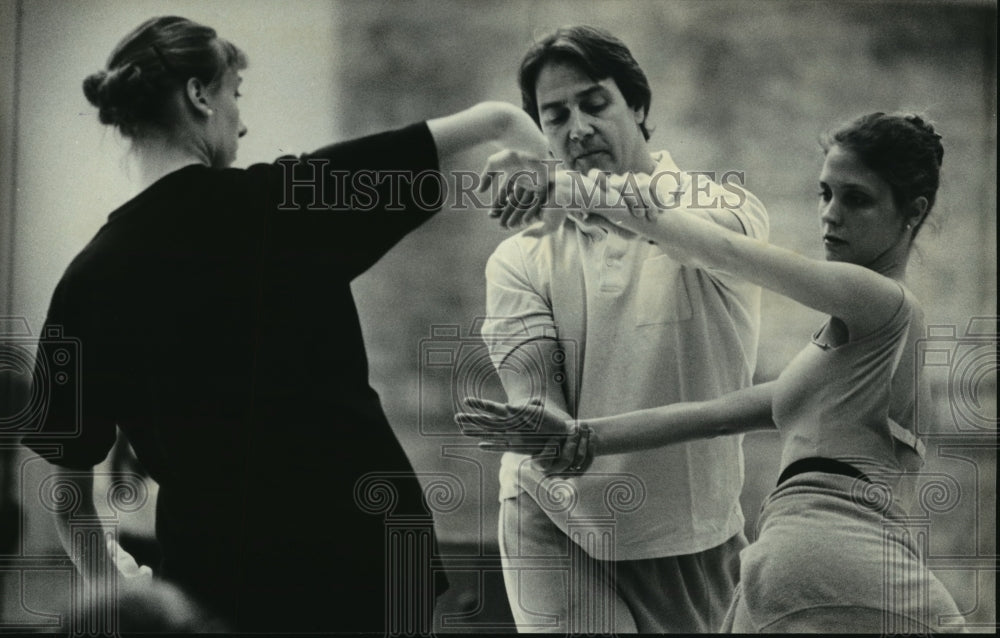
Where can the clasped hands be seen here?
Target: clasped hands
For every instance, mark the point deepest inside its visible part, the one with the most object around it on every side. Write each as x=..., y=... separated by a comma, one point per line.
x=531, y=189
x=557, y=443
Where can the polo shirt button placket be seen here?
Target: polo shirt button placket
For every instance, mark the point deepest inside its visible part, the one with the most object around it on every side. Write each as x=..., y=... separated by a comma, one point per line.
x=613, y=272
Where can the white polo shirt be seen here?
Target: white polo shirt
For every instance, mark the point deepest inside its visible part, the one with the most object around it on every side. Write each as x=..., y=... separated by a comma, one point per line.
x=639, y=330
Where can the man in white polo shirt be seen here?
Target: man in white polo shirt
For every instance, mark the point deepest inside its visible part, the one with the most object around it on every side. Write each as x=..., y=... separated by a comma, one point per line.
x=618, y=325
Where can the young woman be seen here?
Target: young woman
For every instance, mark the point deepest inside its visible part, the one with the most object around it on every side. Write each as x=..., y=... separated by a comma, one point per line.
x=217, y=329
x=844, y=407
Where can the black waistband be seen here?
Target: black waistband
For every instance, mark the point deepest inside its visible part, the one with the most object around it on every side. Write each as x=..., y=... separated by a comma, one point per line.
x=820, y=464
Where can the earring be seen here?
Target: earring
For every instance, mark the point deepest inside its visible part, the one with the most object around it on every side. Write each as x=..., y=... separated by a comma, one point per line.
x=211, y=112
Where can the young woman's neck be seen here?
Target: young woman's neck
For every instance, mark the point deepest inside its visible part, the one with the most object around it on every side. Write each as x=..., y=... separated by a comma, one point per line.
x=892, y=262
x=160, y=154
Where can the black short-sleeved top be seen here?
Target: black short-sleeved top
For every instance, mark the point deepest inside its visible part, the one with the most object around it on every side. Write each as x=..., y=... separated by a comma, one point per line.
x=216, y=327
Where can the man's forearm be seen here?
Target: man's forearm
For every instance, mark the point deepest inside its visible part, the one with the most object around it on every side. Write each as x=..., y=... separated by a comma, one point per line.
x=521, y=388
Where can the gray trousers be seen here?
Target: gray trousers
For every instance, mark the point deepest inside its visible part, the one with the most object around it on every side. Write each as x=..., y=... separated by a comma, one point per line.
x=553, y=585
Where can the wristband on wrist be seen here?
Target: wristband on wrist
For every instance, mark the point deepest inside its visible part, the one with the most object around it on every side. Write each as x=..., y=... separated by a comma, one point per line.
x=584, y=449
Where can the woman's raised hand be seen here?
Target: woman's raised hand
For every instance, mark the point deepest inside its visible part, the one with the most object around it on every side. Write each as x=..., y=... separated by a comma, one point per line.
x=522, y=181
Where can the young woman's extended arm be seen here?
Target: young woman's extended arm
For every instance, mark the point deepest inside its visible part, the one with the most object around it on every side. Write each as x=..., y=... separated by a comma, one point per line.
x=465, y=140
x=736, y=412
x=863, y=299
x=500, y=426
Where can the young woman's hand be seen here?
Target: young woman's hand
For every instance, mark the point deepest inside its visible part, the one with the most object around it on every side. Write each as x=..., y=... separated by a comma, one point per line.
x=551, y=437
x=627, y=201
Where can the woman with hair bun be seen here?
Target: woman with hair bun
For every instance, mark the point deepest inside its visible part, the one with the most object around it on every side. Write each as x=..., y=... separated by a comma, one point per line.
x=217, y=329
x=832, y=554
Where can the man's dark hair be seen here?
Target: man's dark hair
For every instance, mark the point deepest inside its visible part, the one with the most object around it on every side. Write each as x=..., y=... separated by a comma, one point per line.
x=595, y=52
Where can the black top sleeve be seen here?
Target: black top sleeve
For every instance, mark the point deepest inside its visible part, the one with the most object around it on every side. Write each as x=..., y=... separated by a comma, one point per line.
x=349, y=203
x=199, y=252
x=75, y=426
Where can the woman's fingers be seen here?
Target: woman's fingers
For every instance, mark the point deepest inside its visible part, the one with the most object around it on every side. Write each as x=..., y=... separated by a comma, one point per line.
x=522, y=203
x=526, y=420
x=485, y=180
x=528, y=412
x=507, y=442
x=476, y=403
x=484, y=424
x=491, y=417
x=485, y=436
x=499, y=204
x=533, y=211
x=521, y=185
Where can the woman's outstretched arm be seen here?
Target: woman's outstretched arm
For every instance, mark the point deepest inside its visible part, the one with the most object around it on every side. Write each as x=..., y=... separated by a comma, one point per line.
x=532, y=427
x=465, y=140
x=736, y=412
x=862, y=298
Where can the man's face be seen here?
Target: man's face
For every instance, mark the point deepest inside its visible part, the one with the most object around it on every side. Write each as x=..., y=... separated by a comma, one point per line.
x=587, y=123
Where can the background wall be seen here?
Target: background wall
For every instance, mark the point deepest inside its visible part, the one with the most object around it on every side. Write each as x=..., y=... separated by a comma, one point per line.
x=736, y=86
